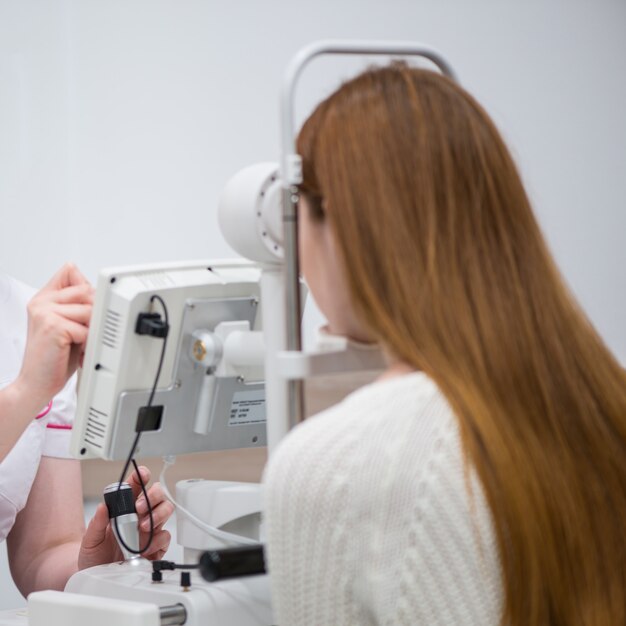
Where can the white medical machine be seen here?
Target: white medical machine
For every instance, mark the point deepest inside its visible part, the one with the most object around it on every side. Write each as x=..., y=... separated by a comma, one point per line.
x=204, y=356
x=210, y=393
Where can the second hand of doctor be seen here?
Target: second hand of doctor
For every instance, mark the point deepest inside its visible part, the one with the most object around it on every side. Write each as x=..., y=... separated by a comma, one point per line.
x=49, y=543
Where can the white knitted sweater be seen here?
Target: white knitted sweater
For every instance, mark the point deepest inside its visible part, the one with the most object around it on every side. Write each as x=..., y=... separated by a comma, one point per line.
x=372, y=518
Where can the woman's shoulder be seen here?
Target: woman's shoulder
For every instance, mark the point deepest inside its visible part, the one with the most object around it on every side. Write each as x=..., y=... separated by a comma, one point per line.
x=375, y=406
x=383, y=473
x=378, y=420
x=414, y=387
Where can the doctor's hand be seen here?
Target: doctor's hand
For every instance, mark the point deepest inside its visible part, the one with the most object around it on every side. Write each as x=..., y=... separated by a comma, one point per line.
x=58, y=324
x=99, y=544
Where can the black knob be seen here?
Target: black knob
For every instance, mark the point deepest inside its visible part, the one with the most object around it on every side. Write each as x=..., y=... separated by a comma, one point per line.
x=185, y=579
x=232, y=562
x=119, y=500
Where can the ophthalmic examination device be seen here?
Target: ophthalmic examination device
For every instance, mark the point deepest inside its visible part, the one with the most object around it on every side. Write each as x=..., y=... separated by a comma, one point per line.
x=198, y=356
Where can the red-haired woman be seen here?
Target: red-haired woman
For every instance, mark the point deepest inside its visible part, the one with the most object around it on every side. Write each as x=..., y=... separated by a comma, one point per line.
x=482, y=479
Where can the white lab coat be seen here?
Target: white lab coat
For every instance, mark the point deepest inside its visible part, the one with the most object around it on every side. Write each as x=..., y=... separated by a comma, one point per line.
x=48, y=436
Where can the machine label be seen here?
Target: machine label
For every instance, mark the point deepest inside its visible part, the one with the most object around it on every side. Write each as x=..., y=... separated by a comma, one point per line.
x=248, y=407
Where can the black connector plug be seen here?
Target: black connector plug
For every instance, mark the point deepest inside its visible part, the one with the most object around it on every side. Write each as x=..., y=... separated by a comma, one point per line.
x=185, y=580
x=151, y=324
x=159, y=566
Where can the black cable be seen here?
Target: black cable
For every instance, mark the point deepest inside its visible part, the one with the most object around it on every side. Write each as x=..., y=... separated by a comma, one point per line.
x=131, y=455
x=159, y=566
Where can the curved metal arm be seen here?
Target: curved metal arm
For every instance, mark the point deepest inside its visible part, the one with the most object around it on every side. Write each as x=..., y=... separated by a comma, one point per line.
x=291, y=174
x=307, y=54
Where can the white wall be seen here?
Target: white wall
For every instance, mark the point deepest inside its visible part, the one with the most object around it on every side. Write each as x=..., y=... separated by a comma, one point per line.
x=121, y=120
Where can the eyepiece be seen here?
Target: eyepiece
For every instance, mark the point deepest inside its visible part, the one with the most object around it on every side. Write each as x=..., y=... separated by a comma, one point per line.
x=119, y=499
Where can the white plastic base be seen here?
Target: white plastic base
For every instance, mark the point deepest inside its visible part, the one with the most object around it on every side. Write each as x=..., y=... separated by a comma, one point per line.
x=53, y=608
x=236, y=602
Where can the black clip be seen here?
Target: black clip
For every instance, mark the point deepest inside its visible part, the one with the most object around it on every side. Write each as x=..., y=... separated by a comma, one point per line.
x=151, y=324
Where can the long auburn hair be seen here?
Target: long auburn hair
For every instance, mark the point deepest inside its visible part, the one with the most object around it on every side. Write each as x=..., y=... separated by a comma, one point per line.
x=447, y=267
